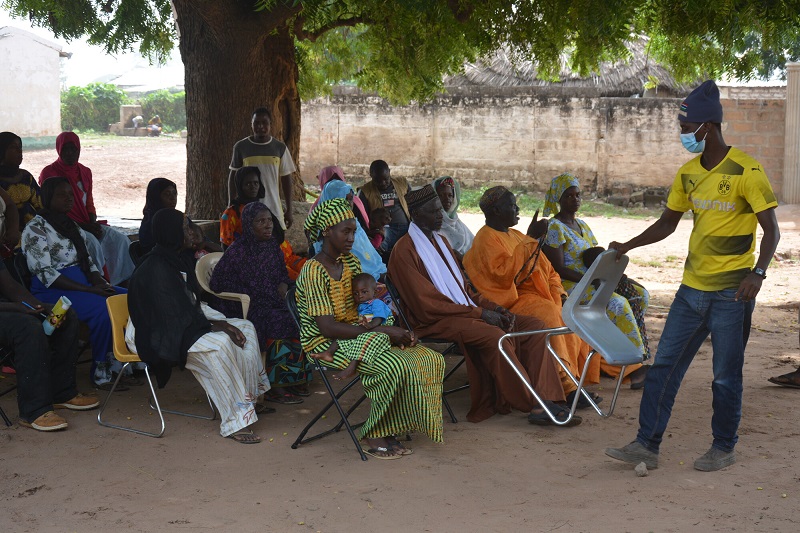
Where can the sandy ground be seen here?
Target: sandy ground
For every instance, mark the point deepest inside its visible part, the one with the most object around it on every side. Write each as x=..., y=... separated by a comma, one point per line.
x=500, y=475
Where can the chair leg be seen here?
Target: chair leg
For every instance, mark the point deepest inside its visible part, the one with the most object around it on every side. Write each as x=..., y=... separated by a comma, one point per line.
x=333, y=402
x=445, y=393
x=123, y=428
x=5, y=418
x=157, y=407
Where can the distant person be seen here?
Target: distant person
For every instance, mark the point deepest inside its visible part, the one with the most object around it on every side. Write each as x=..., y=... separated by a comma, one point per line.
x=138, y=121
x=273, y=160
x=385, y=191
x=457, y=233
x=378, y=220
x=729, y=195
x=9, y=225
x=154, y=126
x=161, y=194
x=108, y=246
x=20, y=185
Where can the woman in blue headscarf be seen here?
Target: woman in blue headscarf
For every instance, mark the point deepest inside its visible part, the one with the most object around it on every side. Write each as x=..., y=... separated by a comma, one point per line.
x=362, y=248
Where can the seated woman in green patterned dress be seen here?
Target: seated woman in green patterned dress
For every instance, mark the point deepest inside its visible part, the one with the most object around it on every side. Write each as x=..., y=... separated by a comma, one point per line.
x=402, y=380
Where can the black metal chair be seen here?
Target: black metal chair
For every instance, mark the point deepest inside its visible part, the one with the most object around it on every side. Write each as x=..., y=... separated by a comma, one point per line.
x=451, y=349
x=291, y=302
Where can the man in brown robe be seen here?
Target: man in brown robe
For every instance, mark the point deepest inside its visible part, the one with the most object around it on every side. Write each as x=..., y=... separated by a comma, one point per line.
x=438, y=303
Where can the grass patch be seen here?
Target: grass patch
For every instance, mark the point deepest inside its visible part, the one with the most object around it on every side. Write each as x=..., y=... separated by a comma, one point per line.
x=529, y=202
x=653, y=263
x=672, y=258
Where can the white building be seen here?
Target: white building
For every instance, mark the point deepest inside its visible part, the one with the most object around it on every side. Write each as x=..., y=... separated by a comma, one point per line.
x=31, y=86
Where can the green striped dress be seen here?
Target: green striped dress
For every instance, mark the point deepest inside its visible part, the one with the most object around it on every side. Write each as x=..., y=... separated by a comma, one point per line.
x=404, y=386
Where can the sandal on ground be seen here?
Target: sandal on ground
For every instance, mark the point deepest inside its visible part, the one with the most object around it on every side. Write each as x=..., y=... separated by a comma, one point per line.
x=398, y=446
x=560, y=414
x=285, y=398
x=787, y=380
x=583, y=403
x=300, y=390
x=634, y=376
x=264, y=409
x=245, y=436
x=380, y=453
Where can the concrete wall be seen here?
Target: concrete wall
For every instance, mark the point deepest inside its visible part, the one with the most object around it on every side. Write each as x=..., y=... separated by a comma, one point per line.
x=522, y=137
x=32, y=96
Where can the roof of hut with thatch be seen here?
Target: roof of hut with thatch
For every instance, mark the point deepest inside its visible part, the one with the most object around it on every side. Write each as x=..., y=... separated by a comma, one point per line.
x=619, y=78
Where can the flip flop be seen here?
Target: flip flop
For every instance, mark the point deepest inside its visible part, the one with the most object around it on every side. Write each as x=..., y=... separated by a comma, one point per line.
x=374, y=452
x=785, y=381
x=583, y=403
x=286, y=398
x=560, y=413
x=300, y=390
x=398, y=446
x=244, y=436
x=262, y=409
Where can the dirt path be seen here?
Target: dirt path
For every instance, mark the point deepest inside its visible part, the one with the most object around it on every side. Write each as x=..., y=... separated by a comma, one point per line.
x=500, y=475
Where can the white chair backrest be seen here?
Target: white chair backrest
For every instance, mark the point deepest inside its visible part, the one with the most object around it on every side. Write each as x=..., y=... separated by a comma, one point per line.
x=589, y=320
x=205, y=267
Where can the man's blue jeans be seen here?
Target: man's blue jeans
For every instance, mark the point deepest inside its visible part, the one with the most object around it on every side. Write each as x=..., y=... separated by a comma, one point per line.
x=693, y=315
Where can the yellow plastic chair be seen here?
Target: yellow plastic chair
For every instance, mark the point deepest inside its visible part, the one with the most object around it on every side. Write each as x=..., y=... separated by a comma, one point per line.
x=204, y=269
x=118, y=312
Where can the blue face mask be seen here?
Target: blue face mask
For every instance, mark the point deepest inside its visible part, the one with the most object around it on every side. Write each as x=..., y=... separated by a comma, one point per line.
x=691, y=143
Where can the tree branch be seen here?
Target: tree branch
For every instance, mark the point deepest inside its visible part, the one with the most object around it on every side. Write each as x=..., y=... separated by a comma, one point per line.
x=461, y=13
x=312, y=36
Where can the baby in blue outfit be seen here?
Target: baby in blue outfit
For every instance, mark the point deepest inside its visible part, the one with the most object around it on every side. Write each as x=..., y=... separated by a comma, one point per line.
x=372, y=312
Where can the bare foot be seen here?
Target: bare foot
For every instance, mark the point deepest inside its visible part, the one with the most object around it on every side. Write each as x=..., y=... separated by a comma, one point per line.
x=323, y=356
x=347, y=373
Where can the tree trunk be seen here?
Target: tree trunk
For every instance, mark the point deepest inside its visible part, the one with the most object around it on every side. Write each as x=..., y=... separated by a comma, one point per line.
x=235, y=61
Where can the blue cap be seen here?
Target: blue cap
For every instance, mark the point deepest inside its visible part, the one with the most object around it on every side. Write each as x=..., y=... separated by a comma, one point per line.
x=702, y=105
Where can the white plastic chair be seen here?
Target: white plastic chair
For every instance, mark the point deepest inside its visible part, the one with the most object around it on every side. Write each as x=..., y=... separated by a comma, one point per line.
x=590, y=322
x=204, y=269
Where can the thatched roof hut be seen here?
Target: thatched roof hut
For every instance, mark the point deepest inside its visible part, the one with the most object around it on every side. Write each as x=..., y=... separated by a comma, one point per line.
x=620, y=78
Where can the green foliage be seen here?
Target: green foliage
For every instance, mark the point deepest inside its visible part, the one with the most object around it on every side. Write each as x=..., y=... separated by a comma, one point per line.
x=170, y=107
x=402, y=48
x=93, y=107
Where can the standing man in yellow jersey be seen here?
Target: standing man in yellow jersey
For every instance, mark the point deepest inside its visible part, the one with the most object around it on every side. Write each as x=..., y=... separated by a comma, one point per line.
x=728, y=193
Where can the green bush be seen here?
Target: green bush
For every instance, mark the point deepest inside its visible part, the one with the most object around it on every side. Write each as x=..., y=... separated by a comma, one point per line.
x=93, y=107
x=171, y=107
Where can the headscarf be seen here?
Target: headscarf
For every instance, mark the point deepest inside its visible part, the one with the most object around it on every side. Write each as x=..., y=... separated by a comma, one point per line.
x=457, y=233
x=76, y=174
x=328, y=174
x=325, y=215
x=7, y=139
x=491, y=197
x=63, y=224
x=558, y=185
x=249, y=214
x=419, y=197
x=151, y=207
x=164, y=309
x=362, y=247
x=239, y=182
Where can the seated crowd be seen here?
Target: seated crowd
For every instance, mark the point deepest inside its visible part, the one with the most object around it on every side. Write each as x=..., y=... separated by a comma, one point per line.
x=454, y=286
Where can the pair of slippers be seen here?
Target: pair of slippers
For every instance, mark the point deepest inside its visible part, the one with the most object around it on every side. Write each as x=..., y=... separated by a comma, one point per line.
x=791, y=380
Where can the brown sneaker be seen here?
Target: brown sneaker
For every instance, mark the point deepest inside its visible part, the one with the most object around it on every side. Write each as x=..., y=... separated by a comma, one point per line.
x=81, y=402
x=49, y=421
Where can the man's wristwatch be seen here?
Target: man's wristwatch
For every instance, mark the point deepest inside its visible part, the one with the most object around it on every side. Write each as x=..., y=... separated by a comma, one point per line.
x=760, y=272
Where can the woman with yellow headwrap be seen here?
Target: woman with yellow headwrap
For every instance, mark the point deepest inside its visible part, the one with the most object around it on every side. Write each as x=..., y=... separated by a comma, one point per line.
x=567, y=239
x=402, y=380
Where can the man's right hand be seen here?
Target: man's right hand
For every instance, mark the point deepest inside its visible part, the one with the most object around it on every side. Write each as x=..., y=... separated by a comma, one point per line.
x=493, y=318
x=620, y=247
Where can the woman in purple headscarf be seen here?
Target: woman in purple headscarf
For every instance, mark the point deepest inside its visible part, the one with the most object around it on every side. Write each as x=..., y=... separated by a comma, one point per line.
x=254, y=265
